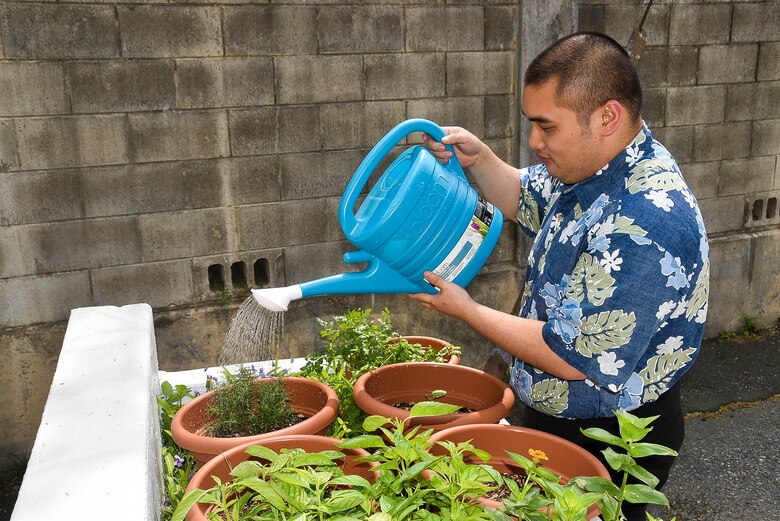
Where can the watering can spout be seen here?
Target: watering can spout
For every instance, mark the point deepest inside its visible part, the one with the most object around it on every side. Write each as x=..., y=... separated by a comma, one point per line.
x=277, y=299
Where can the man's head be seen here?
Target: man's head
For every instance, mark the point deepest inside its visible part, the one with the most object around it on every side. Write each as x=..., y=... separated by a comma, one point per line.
x=582, y=98
x=590, y=69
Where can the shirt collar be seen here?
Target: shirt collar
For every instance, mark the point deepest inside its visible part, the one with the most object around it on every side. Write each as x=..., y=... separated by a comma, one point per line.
x=609, y=179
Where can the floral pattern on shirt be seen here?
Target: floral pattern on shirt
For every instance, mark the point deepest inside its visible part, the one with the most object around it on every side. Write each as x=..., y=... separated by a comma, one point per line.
x=619, y=271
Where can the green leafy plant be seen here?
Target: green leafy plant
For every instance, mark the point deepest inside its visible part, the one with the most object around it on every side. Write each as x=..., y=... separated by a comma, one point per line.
x=178, y=464
x=632, y=431
x=355, y=344
x=246, y=405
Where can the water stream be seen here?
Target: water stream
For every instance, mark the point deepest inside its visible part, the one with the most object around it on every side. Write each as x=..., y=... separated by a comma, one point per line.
x=255, y=334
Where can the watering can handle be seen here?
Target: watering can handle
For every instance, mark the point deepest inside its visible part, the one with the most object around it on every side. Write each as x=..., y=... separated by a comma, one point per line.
x=377, y=154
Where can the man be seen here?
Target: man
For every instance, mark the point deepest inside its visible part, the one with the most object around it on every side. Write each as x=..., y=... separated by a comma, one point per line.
x=617, y=283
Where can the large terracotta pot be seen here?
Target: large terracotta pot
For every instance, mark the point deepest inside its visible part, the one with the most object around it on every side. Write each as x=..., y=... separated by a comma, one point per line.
x=432, y=343
x=377, y=391
x=566, y=459
x=220, y=466
x=308, y=397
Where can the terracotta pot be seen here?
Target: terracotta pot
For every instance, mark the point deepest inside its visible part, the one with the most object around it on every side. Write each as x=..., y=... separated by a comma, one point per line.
x=432, y=343
x=220, y=466
x=566, y=459
x=308, y=397
x=490, y=399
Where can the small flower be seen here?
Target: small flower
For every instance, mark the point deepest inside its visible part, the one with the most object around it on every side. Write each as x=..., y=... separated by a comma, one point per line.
x=611, y=261
x=609, y=364
x=178, y=461
x=538, y=455
x=671, y=344
x=660, y=199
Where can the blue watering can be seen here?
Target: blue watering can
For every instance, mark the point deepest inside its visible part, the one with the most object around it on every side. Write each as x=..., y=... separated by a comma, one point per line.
x=419, y=216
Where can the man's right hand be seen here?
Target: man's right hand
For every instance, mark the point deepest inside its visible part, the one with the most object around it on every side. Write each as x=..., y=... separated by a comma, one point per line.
x=467, y=146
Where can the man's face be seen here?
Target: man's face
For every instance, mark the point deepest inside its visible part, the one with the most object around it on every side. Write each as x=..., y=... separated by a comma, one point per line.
x=567, y=149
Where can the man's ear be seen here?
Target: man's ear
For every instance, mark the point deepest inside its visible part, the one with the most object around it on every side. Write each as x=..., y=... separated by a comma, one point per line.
x=610, y=115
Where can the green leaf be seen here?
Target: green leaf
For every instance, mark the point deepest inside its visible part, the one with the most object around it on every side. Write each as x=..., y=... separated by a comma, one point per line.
x=590, y=281
x=653, y=174
x=528, y=211
x=344, y=500
x=551, y=396
x=596, y=433
x=420, y=409
x=190, y=498
x=644, y=494
x=260, y=451
x=660, y=369
x=351, y=480
x=641, y=473
x=603, y=331
x=631, y=432
x=641, y=450
x=374, y=422
x=701, y=292
x=597, y=484
x=626, y=225
x=364, y=441
x=615, y=460
x=166, y=388
x=247, y=469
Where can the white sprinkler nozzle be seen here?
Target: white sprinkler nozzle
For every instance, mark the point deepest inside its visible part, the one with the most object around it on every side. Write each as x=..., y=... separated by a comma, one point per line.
x=277, y=299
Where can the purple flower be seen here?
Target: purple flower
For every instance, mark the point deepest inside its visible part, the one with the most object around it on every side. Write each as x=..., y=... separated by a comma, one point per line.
x=178, y=461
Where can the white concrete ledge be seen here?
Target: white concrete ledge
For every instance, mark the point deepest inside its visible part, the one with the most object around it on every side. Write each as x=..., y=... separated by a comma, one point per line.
x=97, y=452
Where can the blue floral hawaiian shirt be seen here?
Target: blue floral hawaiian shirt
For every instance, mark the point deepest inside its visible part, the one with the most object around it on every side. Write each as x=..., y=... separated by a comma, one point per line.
x=619, y=271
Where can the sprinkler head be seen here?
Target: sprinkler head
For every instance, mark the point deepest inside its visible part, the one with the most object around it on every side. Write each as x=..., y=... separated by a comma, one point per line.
x=277, y=299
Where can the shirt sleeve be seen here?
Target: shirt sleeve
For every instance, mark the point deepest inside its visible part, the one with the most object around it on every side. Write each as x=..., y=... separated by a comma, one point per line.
x=603, y=315
x=535, y=197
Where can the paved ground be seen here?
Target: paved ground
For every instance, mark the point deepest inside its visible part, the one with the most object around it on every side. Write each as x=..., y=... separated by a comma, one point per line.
x=729, y=466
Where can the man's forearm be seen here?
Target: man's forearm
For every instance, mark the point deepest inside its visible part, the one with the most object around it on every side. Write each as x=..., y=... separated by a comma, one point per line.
x=522, y=338
x=498, y=182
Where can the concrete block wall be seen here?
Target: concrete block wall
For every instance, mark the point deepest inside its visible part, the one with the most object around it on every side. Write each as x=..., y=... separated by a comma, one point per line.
x=177, y=154
x=711, y=76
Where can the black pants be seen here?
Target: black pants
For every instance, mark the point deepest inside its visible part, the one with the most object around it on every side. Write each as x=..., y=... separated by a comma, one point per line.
x=668, y=430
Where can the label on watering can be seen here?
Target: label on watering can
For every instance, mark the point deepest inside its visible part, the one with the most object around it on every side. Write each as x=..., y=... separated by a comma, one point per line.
x=469, y=242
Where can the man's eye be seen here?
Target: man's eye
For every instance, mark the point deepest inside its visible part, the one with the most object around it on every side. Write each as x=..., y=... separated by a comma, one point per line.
x=546, y=129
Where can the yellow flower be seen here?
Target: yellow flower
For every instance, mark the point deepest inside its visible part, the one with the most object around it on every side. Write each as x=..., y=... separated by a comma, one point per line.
x=538, y=455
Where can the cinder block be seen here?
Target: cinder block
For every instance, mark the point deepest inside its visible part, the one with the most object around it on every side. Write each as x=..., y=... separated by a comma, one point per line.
x=31, y=197
x=499, y=116
x=270, y=30
x=224, y=82
x=49, y=298
x=153, y=187
x=756, y=22
x=591, y=17
x=404, y=76
x=161, y=136
x=726, y=141
x=299, y=267
x=683, y=63
x=46, y=31
x=766, y=138
x=9, y=159
x=753, y=101
x=729, y=280
x=440, y=28
x=71, y=141
x=765, y=277
x=702, y=178
x=677, y=140
x=695, y=105
x=723, y=214
x=209, y=231
x=360, y=29
x=688, y=23
x=479, y=73
x=159, y=284
x=727, y=63
x=16, y=256
x=32, y=88
x=254, y=179
x=619, y=19
x=291, y=223
x=501, y=26
x=462, y=112
x=76, y=245
x=362, y=124
x=318, y=79
x=654, y=106
x=269, y=130
x=158, y=31
x=121, y=86
x=768, y=61
x=318, y=174
x=744, y=176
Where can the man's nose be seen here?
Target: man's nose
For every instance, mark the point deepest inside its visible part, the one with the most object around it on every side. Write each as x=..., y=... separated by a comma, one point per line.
x=535, y=139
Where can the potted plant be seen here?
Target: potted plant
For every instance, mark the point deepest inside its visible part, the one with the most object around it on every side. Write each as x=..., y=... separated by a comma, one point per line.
x=563, y=458
x=230, y=483
x=250, y=409
x=390, y=390
x=356, y=344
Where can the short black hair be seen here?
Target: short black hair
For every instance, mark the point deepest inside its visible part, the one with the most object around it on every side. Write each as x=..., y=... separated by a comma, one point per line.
x=591, y=69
